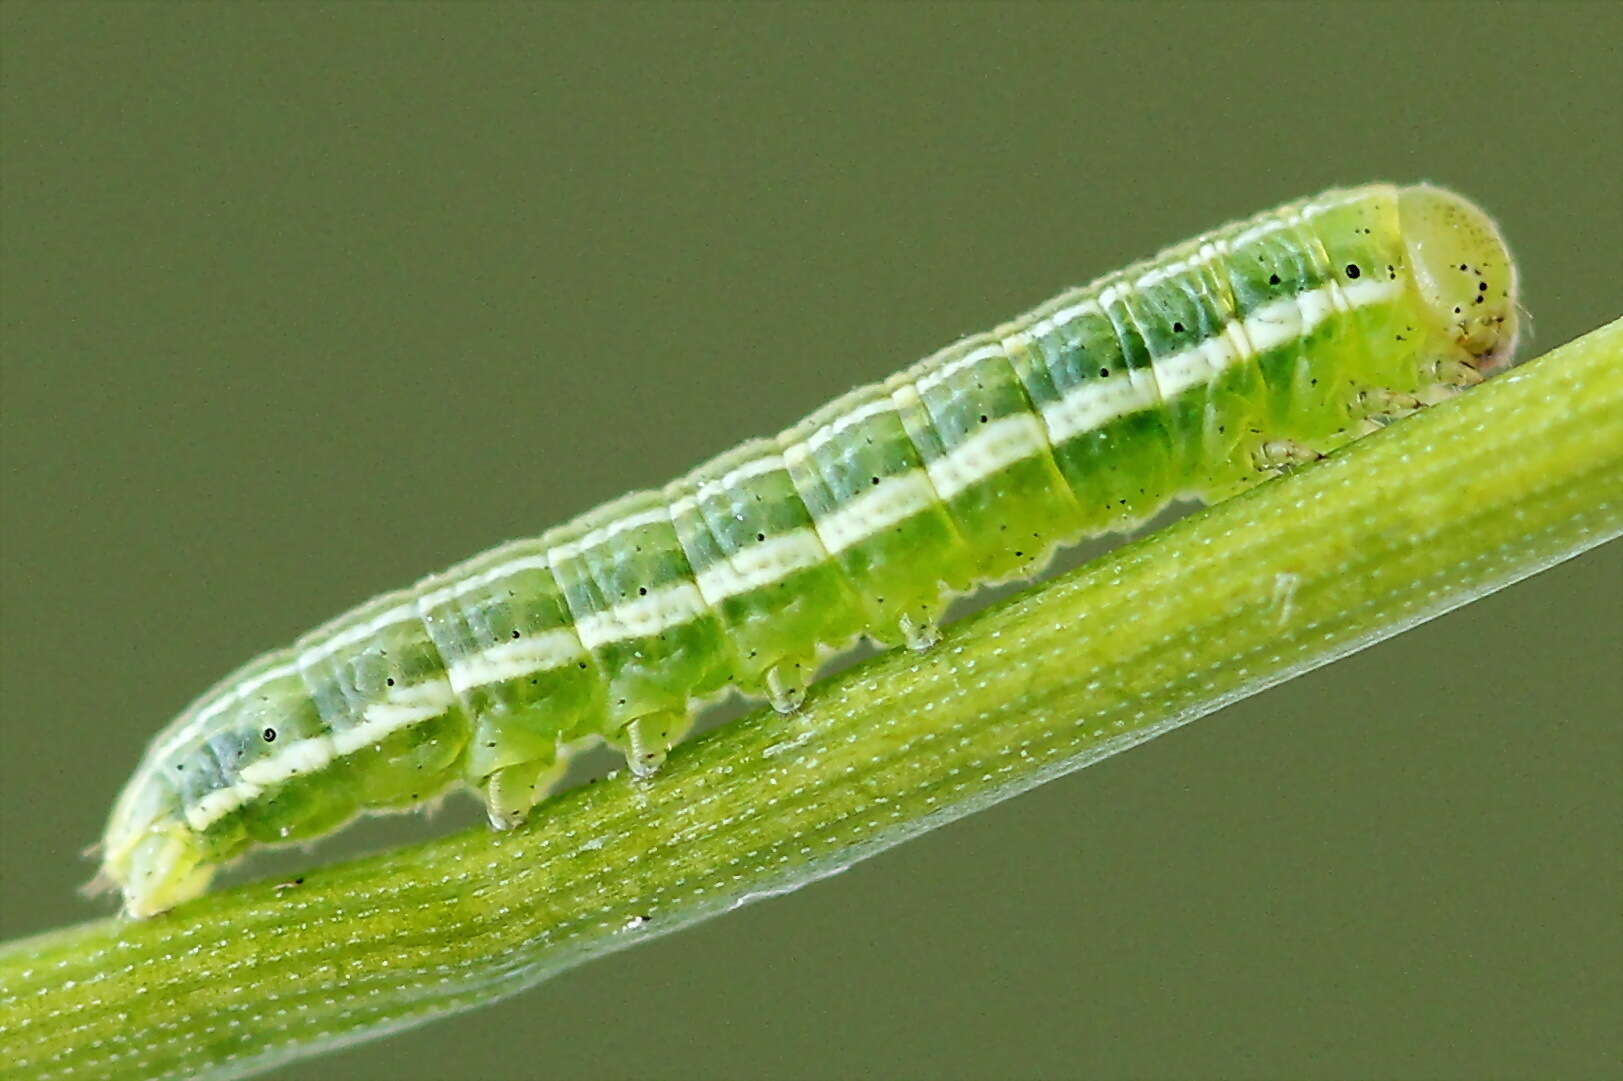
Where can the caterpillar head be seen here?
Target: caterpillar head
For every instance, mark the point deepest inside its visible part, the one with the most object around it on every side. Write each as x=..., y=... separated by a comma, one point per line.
x=150, y=856
x=163, y=868
x=1463, y=273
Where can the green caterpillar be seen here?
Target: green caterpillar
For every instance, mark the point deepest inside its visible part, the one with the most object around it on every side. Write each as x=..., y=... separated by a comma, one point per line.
x=1244, y=351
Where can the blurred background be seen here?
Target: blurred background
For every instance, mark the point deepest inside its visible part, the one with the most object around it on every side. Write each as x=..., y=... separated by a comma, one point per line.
x=301, y=302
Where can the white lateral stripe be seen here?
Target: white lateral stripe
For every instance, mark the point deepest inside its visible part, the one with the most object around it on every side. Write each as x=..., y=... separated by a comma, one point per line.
x=520, y=657
x=219, y=803
x=412, y=705
x=1362, y=294
x=1147, y=385
x=992, y=449
x=896, y=498
x=1194, y=367
x=1317, y=305
x=405, y=707
x=300, y=756
x=1092, y=405
x=670, y=605
x=1274, y=324
x=761, y=564
x=1240, y=344
x=193, y=725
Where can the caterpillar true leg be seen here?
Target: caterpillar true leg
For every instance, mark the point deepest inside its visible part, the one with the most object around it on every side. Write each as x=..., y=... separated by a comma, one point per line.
x=1278, y=455
x=1384, y=405
x=1451, y=372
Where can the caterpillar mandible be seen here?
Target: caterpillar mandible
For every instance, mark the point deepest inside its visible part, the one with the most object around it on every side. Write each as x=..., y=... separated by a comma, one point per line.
x=1261, y=344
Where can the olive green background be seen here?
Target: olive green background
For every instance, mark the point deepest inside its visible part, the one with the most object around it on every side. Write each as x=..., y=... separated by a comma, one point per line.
x=301, y=302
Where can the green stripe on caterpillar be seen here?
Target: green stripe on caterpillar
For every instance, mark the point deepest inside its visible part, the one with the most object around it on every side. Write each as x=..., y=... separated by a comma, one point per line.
x=1264, y=343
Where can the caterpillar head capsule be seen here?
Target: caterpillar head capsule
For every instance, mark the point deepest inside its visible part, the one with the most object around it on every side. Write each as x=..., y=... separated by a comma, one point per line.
x=159, y=871
x=1463, y=273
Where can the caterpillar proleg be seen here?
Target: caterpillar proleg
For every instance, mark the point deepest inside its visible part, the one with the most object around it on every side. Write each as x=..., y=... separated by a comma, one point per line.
x=1247, y=350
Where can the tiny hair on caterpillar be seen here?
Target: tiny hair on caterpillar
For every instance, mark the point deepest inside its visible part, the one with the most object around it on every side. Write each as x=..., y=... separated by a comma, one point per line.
x=1224, y=360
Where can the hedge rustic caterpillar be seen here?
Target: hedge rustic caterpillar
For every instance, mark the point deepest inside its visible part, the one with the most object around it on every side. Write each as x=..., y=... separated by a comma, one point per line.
x=1262, y=344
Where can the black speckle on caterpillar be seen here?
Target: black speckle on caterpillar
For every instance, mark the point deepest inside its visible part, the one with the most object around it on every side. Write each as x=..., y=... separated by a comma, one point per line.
x=1254, y=348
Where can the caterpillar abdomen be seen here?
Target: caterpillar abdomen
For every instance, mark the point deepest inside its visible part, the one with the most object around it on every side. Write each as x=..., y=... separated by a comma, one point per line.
x=1194, y=374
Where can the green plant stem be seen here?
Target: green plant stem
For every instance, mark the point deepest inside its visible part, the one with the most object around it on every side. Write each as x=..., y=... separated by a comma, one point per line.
x=1461, y=500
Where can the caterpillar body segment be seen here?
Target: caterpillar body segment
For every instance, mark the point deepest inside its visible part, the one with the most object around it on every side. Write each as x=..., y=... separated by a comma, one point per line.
x=1253, y=348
